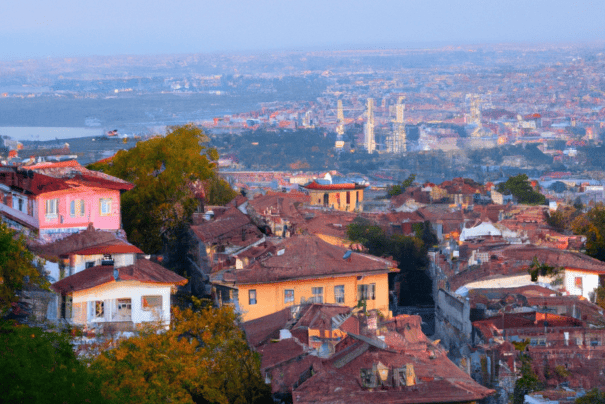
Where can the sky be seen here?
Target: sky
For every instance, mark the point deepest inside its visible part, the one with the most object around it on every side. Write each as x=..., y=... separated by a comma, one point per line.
x=70, y=28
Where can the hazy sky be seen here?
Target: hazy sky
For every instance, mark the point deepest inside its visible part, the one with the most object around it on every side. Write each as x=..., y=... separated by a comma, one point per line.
x=40, y=28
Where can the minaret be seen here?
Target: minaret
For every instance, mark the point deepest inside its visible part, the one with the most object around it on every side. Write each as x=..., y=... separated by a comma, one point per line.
x=340, y=128
x=369, y=140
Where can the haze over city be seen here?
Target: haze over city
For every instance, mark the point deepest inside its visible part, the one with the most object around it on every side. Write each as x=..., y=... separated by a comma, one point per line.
x=68, y=28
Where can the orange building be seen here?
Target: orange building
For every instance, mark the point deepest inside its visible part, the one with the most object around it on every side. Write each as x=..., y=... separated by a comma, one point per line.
x=305, y=269
x=337, y=196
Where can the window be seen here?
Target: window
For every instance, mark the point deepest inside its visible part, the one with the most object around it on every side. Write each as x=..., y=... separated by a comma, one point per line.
x=99, y=309
x=578, y=282
x=76, y=207
x=366, y=292
x=289, y=296
x=124, y=308
x=105, y=206
x=21, y=204
x=52, y=207
x=348, y=197
x=89, y=264
x=339, y=293
x=318, y=295
x=252, y=296
x=151, y=302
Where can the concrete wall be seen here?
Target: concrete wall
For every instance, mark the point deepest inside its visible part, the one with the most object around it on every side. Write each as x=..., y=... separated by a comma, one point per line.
x=452, y=318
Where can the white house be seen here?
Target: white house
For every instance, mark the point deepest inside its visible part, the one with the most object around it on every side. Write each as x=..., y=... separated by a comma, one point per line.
x=121, y=296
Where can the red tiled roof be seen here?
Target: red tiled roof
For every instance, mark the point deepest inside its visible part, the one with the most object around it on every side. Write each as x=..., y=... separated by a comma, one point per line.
x=263, y=328
x=143, y=271
x=225, y=226
x=60, y=164
x=439, y=381
x=87, y=242
x=319, y=316
x=275, y=353
x=117, y=247
x=307, y=257
x=332, y=187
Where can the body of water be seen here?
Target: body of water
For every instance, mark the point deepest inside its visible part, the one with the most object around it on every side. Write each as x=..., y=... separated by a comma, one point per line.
x=43, y=133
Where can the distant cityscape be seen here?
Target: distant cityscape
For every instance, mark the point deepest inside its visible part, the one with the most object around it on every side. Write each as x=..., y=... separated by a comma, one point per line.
x=359, y=226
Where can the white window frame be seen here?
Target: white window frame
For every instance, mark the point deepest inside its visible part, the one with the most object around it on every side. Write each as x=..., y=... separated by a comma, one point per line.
x=105, y=206
x=93, y=312
x=288, y=296
x=339, y=294
x=52, y=207
x=366, y=292
x=318, y=294
x=252, y=298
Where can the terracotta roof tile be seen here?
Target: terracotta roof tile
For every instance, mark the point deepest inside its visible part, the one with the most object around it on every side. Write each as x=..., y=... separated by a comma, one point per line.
x=143, y=271
x=228, y=225
x=261, y=329
x=304, y=257
x=87, y=242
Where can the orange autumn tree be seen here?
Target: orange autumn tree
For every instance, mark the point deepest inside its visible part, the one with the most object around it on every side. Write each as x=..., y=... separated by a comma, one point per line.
x=202, y=358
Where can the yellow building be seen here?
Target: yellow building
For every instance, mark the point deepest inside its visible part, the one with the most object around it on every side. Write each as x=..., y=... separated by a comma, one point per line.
x=337, y=196
x=305, y=269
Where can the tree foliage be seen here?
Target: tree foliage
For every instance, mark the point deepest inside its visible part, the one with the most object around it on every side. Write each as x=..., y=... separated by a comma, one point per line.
x=202, y=358
x=521, y=189
x=400, y=188
x=592, y=225
x=527, y=383
x=594, y=396
x=41, y=367
x=562, y=218
x=17, y=268
x=537, y=268
x=409, y=252
x=164, y=171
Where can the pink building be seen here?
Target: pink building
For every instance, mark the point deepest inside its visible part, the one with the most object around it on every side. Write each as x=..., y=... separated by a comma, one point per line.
x=57, y=199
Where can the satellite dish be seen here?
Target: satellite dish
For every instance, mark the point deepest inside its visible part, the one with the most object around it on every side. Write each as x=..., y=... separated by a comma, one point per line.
x=347, y=255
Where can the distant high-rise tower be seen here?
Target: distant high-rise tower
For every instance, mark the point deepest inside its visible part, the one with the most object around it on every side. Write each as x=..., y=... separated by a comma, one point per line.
x=369, y=140
x=340, y=127
x=475, y=115
x=397, y=141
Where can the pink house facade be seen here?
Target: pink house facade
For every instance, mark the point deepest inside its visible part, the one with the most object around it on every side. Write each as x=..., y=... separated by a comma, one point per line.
x=56, y=199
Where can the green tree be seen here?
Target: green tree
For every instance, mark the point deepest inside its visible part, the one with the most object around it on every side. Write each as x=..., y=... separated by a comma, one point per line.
x=17, y=268
x=594, y=396
x=165, y=171
x=399, y=189
x=203, y=357
x=592, y=225
x=520, y=187
x=40, y=367
x=424, y=231
x=527, y=383
x=562, y=218
x=537, y=268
